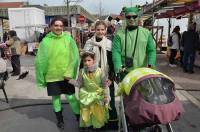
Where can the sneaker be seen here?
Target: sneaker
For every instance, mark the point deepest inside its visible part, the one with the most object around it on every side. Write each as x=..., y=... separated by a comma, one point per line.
x=11, y=72
x=185, y=70
x=83, y=129
x=15, y=74
x=60, y=125
x=172, y=65
x=77, y=117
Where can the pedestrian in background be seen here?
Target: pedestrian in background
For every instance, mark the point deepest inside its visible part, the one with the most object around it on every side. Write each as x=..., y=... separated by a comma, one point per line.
x=14, y=45
x=110, y=28
x=42, y=35
x=5, y=38
x=3, y=65
x=176, y=37
x=56, y=63
x=118, y=24
x=190, y=43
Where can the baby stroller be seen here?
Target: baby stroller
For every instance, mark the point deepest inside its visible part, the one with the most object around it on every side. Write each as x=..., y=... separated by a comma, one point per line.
x=147, y=100
x=5, y=52
x=3, y=76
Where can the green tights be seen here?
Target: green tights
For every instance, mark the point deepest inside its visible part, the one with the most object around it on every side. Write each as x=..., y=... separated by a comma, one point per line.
x=73, y=102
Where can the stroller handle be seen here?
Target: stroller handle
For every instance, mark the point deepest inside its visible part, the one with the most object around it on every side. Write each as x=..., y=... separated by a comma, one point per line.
x=117, y=78
x=118, y=74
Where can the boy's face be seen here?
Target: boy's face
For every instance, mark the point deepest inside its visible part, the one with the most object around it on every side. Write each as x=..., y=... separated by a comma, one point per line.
x=88, y=62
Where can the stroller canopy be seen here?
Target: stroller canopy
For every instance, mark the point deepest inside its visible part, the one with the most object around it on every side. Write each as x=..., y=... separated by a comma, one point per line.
x=136, y=76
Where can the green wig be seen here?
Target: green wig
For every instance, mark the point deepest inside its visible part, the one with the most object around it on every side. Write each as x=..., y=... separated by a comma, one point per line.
x=135, y=10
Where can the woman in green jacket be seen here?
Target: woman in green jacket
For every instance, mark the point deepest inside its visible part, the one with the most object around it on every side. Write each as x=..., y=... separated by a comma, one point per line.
x=56, y=63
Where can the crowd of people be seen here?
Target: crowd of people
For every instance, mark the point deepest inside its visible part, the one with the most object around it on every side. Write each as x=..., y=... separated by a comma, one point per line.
x=186, y=45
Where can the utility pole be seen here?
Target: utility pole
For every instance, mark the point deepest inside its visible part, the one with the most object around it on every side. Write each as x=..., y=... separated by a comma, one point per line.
x=100, y=8
x=131, y=3
x=68, y=17
x=153, y=18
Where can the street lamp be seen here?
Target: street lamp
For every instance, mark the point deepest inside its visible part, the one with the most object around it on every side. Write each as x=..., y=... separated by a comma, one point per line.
x=153, y=17
x=67, y=3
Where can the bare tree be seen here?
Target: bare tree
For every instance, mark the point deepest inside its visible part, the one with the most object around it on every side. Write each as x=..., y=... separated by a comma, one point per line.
x=101, y=9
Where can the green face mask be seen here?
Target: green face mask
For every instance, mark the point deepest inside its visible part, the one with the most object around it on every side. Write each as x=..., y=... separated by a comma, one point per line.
x=132, y=20
x=132, y=16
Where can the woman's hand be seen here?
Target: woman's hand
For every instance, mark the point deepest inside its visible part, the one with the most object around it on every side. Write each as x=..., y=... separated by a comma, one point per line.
x=67, y=78
x=72, y=81
x=149, y=66
x=109, y=82
x=106, y=100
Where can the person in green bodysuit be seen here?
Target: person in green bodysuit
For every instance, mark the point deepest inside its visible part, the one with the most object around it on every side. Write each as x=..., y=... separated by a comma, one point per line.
x=56, y=63
x=133, y=47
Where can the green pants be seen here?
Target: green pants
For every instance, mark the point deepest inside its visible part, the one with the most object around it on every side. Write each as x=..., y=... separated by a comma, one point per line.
x=71, y=99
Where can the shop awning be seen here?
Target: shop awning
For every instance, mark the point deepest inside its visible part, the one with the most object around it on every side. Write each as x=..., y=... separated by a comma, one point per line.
x=187, y=6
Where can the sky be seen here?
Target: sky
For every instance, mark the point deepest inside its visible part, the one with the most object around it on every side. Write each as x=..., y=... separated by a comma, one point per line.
x=108, y=6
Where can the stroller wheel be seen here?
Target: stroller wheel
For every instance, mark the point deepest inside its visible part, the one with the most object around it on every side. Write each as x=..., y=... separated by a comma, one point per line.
x=156, y=128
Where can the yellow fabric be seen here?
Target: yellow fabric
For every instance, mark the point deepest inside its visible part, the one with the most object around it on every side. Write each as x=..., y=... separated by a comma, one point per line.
x=179, y=1
x=93, y=112
x=85, y=114
x=98, y=111
x=132, y=77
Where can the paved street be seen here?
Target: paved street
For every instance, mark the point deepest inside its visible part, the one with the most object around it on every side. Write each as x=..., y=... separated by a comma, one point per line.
x=29, y=109
x=188, y=82
x=187, y=86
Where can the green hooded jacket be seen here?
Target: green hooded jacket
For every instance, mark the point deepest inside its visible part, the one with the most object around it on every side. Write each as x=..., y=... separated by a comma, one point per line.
x=57, y=57
x=145, y=52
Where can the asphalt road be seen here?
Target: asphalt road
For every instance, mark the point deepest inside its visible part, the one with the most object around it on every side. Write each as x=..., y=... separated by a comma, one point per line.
x=23, y=117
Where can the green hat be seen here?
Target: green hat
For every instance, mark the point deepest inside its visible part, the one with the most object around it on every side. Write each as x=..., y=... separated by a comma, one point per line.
x=132, y=10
